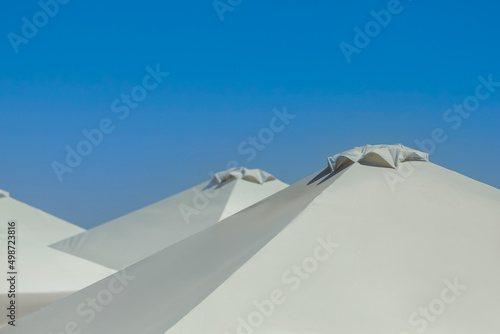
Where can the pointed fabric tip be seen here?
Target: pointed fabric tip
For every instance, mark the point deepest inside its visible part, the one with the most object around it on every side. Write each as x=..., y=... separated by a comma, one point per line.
x=377, y=155
x=251, y=175
x=4, y=193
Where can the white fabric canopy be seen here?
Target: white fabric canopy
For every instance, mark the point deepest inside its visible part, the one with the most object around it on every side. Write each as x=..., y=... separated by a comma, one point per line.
x=135, y=236
x=34, y=224
x=416, y=254
x=45, y=275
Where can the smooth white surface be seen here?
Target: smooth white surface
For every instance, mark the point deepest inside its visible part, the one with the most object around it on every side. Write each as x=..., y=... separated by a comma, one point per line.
x=135, y=236
x=34, y=224
x=45, y=275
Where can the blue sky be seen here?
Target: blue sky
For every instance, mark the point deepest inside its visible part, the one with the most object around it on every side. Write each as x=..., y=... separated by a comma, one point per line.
x=225, y=78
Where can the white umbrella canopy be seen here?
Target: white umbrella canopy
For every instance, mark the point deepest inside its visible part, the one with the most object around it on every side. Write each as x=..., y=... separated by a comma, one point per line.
x=357, y=249
x=34, y=224
x=44, y=275
x=135, y=236
x=410, y=250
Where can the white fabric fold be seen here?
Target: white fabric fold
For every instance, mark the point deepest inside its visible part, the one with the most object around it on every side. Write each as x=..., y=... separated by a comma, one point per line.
x=252, y=175
x=377, y=155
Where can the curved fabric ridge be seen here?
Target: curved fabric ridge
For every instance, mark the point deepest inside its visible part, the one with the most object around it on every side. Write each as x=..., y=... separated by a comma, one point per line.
x=251, y=175
x=377, y=155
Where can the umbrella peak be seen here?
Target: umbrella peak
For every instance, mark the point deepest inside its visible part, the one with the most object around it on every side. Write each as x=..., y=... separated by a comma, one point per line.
x=243, y=173
x=377, y=155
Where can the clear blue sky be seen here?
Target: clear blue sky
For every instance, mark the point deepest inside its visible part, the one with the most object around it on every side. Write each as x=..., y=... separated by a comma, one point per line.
x=225, y=79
